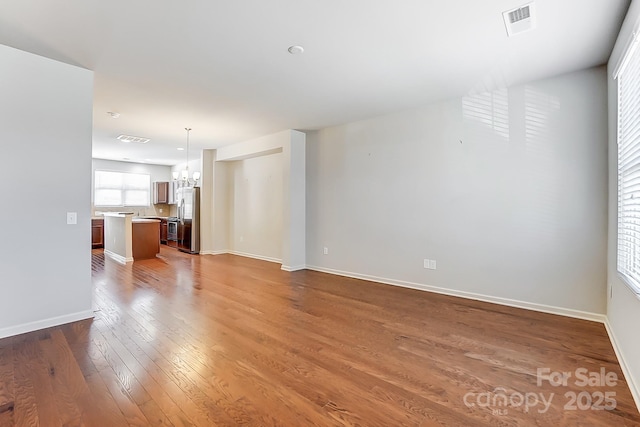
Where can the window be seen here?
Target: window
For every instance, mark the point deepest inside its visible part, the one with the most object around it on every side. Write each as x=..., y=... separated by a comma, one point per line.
x=121, y=189
x=628, y=76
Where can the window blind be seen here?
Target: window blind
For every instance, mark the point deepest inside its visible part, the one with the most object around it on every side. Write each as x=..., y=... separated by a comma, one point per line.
x=629, y=170
x=122, y=189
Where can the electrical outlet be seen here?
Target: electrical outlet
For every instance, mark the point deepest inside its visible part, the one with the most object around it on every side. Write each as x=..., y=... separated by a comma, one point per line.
x=429, y=264
x=325, y=250
x=72, y=218
x=242, y=238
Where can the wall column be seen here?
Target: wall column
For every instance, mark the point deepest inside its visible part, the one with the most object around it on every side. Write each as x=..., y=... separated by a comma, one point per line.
x=294, y=200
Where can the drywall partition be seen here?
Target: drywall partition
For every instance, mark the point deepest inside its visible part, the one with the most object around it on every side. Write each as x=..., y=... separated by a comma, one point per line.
x=290, y=146
x=207, y=214
x=623, y=308
x=506, y=191
x=294, y=224
x=214, y=205
x=256, y=211
x=262, y=146
x=46, y=114
x=221, y=207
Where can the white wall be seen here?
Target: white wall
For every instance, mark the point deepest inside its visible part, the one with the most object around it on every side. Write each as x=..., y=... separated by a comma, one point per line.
x=506, y=191
x=207, y=194
x=256, y=215
x=157, y=172
x=294, y=231
x=289, y=147
x=222, y=202
x=623, y=310
x=45, y=264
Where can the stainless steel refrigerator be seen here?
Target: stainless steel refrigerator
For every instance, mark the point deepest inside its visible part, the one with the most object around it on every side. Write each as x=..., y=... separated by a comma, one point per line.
x=188, y=199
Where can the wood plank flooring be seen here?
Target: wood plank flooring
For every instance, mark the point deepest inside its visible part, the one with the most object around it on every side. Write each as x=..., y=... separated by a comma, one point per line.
x=223, y=340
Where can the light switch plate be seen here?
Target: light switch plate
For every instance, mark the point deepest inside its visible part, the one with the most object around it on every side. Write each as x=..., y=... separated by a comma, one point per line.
x=72, y=218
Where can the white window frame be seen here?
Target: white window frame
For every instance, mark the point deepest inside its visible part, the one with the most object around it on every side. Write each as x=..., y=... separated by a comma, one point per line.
x=627, y=74
x=126, y=183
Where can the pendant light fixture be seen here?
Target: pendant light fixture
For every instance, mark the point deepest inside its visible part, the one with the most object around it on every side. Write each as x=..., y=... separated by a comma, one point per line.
x=184, y=175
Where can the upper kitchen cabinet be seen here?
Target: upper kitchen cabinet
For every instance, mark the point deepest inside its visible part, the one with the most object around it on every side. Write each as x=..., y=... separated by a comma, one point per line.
x=164, y=192
x=160, y=192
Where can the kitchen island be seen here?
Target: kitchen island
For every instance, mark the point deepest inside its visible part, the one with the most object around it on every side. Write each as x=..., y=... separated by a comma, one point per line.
x=145, y=238
x=128, y=238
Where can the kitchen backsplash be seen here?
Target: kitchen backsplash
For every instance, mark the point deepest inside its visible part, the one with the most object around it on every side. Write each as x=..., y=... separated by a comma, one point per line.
x=153, y=210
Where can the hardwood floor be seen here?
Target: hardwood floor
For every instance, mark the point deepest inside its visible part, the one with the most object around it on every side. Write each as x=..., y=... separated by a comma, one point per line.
x=223, y=340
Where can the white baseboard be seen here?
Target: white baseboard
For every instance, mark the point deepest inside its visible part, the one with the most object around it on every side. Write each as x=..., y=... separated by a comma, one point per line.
x=244, y=254
x=296, y=268
x=585, y=315
x=117, y=258
x=212, y=252
x=45, y=323
x=633, y=386
x=254, y=256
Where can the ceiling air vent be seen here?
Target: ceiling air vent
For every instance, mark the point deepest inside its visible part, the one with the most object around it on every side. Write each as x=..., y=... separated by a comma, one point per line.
x=129, y=138
x=520, y=19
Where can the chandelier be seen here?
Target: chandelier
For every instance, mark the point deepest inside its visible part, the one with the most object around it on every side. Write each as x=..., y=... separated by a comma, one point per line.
x=185, y=179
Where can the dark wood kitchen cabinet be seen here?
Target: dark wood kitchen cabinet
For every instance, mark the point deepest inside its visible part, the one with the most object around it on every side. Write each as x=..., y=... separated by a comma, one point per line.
x=97, y=233
x=144, y=236
x=160, y=192
x=163, y=231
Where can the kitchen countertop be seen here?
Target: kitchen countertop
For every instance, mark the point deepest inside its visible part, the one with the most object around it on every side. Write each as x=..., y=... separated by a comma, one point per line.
x=144, y=220
x=118, y=214
x=122, y=214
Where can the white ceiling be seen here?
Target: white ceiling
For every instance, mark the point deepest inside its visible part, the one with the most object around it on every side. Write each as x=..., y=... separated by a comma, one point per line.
x=222, y=67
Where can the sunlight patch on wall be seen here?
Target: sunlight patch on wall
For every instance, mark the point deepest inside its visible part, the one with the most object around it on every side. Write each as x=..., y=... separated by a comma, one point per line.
x=539, y=107
x=490, y=109
x=542, y=153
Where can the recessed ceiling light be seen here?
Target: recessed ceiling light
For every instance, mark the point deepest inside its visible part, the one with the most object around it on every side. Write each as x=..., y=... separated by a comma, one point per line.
x=113, y=114
x=180, y=149
x=129, y=138
x=295, y=50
